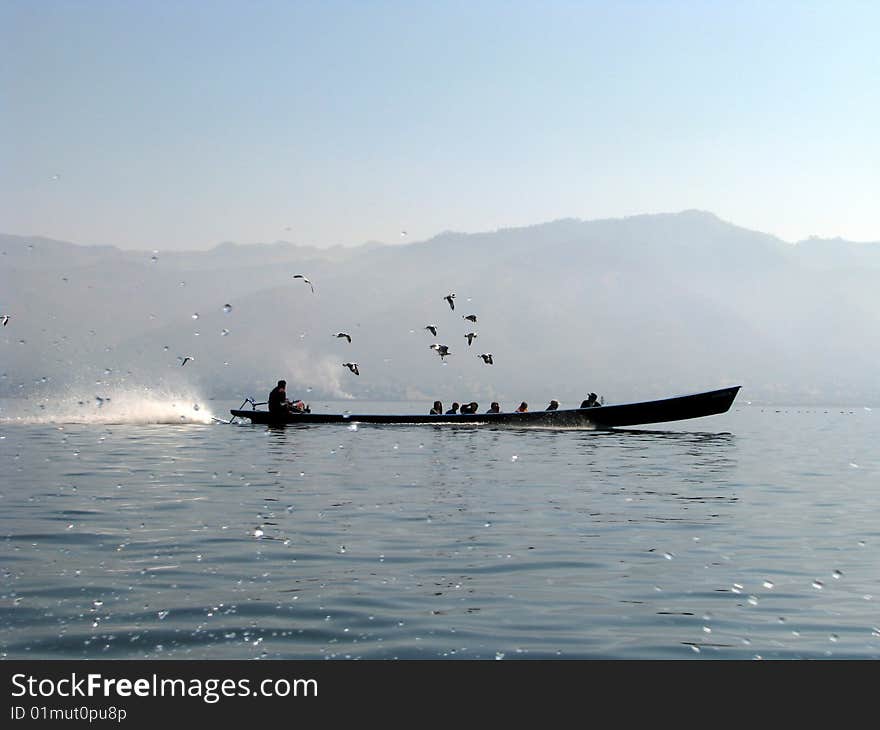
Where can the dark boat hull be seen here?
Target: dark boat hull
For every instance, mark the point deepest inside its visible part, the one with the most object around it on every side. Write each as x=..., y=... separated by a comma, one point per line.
x=678, y=408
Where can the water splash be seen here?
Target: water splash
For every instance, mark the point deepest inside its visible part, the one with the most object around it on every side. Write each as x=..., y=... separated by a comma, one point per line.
x=119, y=405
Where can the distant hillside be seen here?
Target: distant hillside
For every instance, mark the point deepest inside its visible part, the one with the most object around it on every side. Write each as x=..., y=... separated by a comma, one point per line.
x=631, y=308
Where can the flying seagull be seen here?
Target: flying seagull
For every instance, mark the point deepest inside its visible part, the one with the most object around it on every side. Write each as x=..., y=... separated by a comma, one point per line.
x=185, y=360
x=5, y=318
x=442, y=350
x=470, y=318
x=353, y=366
x=300, y=276
x=345, y=335
x=471, y=336
x=449, y=298
x=432, y=328
x=487, y=358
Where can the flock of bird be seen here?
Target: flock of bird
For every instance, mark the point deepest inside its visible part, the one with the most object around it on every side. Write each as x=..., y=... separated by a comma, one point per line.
x=442, y=350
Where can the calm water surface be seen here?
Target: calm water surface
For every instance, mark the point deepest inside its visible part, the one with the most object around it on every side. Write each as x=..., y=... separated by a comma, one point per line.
x=751, y=534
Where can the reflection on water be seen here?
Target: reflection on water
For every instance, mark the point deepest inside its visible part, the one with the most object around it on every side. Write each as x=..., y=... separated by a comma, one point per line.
x=239, y=541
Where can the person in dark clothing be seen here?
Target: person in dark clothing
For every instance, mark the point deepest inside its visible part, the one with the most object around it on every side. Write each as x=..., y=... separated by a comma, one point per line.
x=554, y=404
x=469, y=407
x=279, y=405
x=494, y=408
x=437, y=409
x=278, y=399
x=452, y=411
x=590, y=402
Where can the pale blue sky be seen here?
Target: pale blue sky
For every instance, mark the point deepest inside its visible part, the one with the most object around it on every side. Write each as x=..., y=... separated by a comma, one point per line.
x=182, y=124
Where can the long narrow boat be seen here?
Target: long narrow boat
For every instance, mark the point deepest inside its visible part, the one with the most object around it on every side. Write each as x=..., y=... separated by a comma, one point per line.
x=678, y=408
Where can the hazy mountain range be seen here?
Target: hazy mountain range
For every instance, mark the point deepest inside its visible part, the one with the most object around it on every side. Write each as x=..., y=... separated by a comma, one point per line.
x=631, y=308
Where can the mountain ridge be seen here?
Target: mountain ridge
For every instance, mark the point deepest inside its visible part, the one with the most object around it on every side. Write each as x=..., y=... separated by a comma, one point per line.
x=630, y=308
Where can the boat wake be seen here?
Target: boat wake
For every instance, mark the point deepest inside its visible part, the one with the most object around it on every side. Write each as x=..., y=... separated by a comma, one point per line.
x=122, y=406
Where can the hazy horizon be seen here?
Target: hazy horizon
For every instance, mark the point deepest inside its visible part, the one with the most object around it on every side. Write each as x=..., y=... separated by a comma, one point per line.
x=405, y=241
x=632, y=308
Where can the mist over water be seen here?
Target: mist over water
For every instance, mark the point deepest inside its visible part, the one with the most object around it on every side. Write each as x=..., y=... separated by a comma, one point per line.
x=633, y=309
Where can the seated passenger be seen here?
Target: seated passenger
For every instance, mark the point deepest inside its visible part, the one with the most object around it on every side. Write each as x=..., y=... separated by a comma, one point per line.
x=494, y=408
x=453, y=410
x=591, y=401
x=523, y=407
x=437, y=409
x=469, y=407
x=554, y=404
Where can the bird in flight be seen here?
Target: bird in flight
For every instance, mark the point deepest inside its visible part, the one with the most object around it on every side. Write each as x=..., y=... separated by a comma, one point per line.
x=345, y=335
x=487, y=358
x=5, y=318
x=353, y=366
x=470, y=337
x=432, y=328
x=449, y=298
x=442, y=350
x=300, y=276
x=470, y=318
x=185, y=360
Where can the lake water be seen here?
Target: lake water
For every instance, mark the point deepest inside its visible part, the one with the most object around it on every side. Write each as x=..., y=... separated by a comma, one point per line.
x=751, y=534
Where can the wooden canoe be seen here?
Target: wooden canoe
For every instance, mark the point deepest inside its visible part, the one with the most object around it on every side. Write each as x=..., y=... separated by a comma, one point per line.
x=677, y=408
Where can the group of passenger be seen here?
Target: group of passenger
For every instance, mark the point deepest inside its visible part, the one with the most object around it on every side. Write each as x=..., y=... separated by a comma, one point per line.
x=464, y=408
x=437, y=409
x=280, y=405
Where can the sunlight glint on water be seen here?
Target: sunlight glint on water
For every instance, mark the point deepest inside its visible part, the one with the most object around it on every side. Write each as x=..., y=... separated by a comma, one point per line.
x=737, y=536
